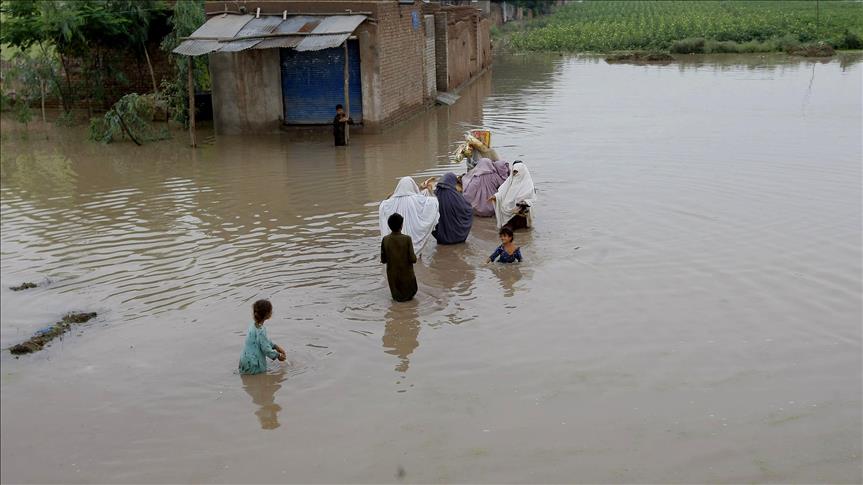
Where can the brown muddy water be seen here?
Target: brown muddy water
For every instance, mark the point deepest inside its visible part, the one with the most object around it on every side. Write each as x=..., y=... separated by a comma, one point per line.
x=689, y=309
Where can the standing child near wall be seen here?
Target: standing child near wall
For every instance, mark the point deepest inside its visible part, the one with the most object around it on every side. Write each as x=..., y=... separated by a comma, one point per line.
x=340, y=123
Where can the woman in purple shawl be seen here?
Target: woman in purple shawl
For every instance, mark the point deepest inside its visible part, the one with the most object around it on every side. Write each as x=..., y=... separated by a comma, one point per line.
x=456, y=215
x=481, y=183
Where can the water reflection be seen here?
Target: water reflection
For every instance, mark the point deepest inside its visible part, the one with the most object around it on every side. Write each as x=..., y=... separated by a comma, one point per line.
x=401, y=332
x=451, y=269
x=508, y=276
x=262, y=388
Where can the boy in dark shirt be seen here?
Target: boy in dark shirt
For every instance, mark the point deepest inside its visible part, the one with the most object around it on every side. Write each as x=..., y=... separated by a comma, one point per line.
x=397, y=252
x=340, y=123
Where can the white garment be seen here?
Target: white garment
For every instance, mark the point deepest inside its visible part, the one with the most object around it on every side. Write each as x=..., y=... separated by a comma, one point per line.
x=518, y=187
x=420, y=212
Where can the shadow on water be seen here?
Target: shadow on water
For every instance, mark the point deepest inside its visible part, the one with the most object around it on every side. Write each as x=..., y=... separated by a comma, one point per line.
x=262, y=388
x=401, y=332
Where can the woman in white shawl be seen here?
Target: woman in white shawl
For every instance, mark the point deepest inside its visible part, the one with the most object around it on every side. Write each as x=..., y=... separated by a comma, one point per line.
x=514, y=200
x=419, y=212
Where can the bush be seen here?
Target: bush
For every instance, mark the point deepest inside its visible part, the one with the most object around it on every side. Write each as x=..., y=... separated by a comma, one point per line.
x=692, y=45
x=849, y=40
x=131, y=116
x=721, y=47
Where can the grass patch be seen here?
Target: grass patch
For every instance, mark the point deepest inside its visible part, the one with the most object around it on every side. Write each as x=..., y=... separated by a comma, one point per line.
x=691, y=26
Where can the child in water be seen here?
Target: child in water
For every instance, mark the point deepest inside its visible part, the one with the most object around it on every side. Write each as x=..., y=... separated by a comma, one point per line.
x=508, y=252
x=397, y=252
x=258, y=346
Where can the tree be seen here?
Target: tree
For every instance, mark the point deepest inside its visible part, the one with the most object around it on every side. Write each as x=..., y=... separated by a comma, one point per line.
x=188, y=15
x=78, y=29
x=35, y=73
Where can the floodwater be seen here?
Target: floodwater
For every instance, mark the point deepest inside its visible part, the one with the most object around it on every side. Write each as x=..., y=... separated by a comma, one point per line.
x=689, y=309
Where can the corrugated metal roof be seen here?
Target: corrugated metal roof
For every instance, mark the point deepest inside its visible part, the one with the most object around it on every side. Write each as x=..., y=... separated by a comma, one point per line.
x=339, y=26
x=290, y=26
x=191, y=47
x=258, y=26
x=222, y=26
x=311, y=33
x=218, y=27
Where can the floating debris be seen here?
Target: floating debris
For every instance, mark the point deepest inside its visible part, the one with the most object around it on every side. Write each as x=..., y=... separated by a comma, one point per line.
x=47, y=334
x=23, y=286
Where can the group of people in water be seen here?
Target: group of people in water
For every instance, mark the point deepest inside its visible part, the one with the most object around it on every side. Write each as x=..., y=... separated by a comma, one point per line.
x=444, y=210
x=441, y=209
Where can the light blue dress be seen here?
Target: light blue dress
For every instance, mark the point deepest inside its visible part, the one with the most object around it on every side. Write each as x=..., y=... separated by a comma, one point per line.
x=258, y=348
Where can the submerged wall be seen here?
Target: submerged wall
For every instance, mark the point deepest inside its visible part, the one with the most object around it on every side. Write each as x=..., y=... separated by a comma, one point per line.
x=247, y=91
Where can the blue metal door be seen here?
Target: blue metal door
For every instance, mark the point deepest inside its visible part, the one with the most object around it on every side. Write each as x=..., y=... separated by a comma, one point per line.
x=313, y=84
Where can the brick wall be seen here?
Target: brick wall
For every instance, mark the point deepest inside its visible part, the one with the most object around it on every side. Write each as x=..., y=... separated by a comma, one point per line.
x=124, y=71
x=429, y=58
x=400, y=57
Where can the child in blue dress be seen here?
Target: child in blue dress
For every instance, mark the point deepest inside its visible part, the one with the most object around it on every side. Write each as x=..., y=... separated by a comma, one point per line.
x=258, y=345
x=507, y=252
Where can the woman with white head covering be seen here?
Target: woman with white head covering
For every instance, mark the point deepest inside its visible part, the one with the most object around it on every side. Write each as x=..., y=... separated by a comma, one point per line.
x=514, y=200
x=420, y=213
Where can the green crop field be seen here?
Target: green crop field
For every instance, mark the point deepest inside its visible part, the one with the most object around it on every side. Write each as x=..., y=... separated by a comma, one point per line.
x=714, y=26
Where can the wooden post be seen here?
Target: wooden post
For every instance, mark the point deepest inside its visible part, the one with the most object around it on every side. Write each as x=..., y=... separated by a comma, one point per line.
x=347, y=95
x=150, y=67
x=192, y=102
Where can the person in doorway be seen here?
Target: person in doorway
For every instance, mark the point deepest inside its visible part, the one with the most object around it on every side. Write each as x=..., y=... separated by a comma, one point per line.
x=514, y=200
x=507, y=252
x=340, y=123
x=397, y=252
x=258, y=346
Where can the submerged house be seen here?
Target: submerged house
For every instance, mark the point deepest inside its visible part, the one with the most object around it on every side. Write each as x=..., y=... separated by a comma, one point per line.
x=276, y=63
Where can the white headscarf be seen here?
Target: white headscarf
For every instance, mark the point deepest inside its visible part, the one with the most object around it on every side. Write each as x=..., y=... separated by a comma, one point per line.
x=518, y=187
x=420, y=212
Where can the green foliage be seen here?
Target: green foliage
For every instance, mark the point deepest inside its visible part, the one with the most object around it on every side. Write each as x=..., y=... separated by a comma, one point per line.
x=131, y=117
x=603, y=26
x=693, y=45
x=23, y=113
x=65, y=119
x=188, y=15
x=78, y=29
x=34, y=76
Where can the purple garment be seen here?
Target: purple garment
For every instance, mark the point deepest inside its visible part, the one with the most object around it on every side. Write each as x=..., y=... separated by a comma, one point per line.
x=481, y=183
x=456, y=215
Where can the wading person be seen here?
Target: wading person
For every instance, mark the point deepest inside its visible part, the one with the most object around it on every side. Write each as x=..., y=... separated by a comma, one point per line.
x=420, y=213
x=258, y=346
x=482, y=182
x=456, y=215
x=397, y=252
x=507, y=252
x=340, y=123
x=514, y=200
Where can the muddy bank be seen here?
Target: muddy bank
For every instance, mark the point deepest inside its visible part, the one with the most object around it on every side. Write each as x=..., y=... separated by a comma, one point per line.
x=639, y=57
x=43, y=337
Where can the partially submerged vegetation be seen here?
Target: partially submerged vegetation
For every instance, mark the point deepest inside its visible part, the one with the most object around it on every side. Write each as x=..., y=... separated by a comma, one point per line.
x=38, y=341
x=131, y=116
x=70, y=51
x=639, y=57
x=694, y=27
x=23, y=286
